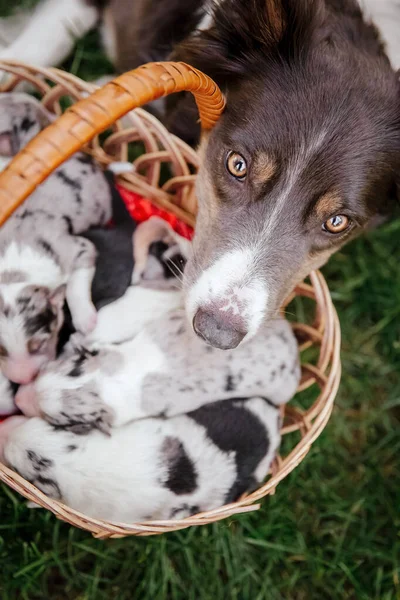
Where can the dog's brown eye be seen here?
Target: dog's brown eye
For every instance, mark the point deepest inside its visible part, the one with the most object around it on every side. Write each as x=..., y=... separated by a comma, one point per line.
x=337, y=224
x=3, y=352
x=236, y=165
x=35, y=346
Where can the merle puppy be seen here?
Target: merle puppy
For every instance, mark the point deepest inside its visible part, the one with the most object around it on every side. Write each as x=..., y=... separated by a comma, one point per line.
x=153, y=468
x=43, y=260
x=163, y=370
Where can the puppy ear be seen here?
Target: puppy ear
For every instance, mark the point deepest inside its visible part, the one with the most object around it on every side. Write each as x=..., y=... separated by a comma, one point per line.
x=6, y=145
x=34, y=296
x=243, y=30
x=153, y=230
x=57, y=296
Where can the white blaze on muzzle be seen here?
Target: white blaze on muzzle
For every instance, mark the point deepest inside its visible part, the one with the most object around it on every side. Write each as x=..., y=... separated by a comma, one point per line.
x=228, y=300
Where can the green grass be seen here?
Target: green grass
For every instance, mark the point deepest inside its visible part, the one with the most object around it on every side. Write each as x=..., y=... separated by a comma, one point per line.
x=332, y=529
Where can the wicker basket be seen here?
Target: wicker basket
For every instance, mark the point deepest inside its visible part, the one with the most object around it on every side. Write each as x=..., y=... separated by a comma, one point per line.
x=79, y=127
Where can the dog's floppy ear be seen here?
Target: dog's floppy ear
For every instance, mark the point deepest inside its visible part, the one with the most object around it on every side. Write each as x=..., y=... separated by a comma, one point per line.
x=242, y=30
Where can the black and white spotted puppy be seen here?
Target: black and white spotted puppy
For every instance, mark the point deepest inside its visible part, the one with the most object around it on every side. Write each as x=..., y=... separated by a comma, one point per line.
x=43, y=260
x=137, y=278
x=164, y=369
x=152, y=468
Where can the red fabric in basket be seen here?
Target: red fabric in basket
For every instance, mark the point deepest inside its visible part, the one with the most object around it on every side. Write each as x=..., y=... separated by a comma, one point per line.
x=142, y=209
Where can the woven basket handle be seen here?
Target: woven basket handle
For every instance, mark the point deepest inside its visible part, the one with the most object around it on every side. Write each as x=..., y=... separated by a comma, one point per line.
x=92, y=115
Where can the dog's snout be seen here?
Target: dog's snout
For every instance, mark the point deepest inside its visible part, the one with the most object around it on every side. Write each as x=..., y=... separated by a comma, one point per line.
x=217, y=330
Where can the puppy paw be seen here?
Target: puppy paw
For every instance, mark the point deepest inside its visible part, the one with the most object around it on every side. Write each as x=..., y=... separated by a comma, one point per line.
x=85, y=320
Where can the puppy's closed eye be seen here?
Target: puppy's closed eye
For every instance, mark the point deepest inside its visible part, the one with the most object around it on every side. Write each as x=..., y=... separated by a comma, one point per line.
x=35, y=346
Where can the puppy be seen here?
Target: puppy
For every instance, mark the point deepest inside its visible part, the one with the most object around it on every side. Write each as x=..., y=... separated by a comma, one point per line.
x=164, y=370
x=42, y=259
x=147, y=267
x=153, y=468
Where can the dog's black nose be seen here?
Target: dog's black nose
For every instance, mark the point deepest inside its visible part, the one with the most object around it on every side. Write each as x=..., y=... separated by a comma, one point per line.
x=215, y=331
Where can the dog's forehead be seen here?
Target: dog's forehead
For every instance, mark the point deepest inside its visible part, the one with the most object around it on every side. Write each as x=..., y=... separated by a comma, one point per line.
x=290, y=107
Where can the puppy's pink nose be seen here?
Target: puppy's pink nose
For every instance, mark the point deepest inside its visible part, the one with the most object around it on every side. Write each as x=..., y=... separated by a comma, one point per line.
x=26, y=400
x=21, y=371
x=218, y=331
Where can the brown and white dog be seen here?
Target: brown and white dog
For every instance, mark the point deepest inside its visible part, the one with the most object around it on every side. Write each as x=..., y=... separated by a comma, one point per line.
x=305, y=157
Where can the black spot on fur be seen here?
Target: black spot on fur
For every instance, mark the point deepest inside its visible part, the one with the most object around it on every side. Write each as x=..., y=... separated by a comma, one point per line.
x=270, y=403
x=47, y=248
x=40, y=322
x=173, y=266
x=85, y=159
x=48, y=486
x=23, y=302
x=77, y=369
x=71, y=447
x=72, y=183
x=39, y=463
x=182, y=476
x=79, y=361
x=186, y=389
x=229, y=384
x=233, y=428
x=183, y=511
x=283, y=337
x=25, y=214
x=27, y=124
x=68, y=221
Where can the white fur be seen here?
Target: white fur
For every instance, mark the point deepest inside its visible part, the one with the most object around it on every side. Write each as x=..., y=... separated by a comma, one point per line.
x=39, y=268
x=227, y=281
x=140, y=358
x=108, y=35
x=123, y=319
x=386, y=16
x=124, y=477
x=185, y=375
x=49, y=33
x=208, y=19
x=83, y=313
